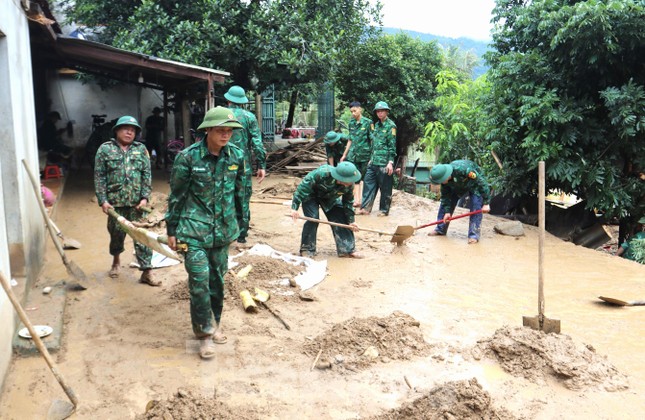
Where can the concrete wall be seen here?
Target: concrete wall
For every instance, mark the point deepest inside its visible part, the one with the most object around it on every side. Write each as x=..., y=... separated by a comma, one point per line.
x=22, y=232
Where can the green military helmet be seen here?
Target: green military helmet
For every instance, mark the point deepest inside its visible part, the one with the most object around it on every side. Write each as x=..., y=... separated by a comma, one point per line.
x=381, y=105
x=219, y=117
x=346, y=172
x=127, y=120
x=236, y=95
x=332, y=137
x=440, y=173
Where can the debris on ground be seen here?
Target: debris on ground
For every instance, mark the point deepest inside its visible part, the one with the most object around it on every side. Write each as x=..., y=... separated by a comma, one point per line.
x=281, y=188
x=453, y=400
x=510, y=228
x=189, y=404
x=360, y=342
x=179, y=291
x=534, y=355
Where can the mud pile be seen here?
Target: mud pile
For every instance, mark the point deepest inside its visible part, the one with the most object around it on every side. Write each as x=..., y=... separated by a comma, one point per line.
x=360, y=342
x=187, y=404
x=535, y=356
x=268, y=274
x=179, y=291
x=280, y=189
x=453, y=400
x=412, y=202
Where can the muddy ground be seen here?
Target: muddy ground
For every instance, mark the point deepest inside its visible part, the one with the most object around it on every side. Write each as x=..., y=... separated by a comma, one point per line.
x=426, y=330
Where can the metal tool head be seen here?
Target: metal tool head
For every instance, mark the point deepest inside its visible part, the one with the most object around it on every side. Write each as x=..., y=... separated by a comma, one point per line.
x=542, y=324
x=402, y=233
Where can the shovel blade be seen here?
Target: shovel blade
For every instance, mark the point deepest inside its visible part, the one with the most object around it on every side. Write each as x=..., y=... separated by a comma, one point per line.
x=542, y=324
x=69, y=243
x=402, y=233
x=613, y=301
x=60, y=410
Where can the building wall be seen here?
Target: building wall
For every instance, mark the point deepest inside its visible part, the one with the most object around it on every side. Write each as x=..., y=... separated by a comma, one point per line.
x=22, y=231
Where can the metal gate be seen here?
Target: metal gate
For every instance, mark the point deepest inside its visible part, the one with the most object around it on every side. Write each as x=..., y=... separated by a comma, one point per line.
x=326, y=114
x=268, y=115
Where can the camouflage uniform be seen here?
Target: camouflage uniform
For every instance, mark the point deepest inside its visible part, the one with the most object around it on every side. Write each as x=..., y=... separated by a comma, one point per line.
x=383, y=136
x=319, y=189
x=204, y=211
x=335, y=150
x=248, y=139
x=123, y=179
x=466, y=179
x=361, y=147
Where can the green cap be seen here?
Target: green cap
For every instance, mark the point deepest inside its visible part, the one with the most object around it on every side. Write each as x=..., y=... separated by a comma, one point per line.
x=642, y=220
x=127, y=120
x=219, y=117
x=381, y=105
x=440, y=173
x=236, y=95
x=332, y=137
x=346, y=172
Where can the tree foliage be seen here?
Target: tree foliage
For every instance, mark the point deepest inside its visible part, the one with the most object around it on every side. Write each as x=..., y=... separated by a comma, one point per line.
x=399, y=70
x=567, y=87
x=261, y=42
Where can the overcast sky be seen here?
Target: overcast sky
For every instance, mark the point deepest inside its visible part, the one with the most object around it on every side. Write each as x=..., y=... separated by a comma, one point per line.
x=451, y=18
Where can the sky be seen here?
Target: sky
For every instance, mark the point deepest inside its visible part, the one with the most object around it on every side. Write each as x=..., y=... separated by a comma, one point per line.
x=451, y=18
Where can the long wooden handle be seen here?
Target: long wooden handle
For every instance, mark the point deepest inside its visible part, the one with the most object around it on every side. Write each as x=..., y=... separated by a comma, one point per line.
x=41, y=206
x=541, y=222
x=311, y=219
x=37, y=341
x=470, y=213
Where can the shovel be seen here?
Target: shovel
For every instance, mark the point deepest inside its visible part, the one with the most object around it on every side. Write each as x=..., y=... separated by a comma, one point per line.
x=619, y=302
x=72, y=269
x=59, y=409
x=68, y=243
x=404, y=232
x=311, y=219
x=262, y=297
x=540, y=322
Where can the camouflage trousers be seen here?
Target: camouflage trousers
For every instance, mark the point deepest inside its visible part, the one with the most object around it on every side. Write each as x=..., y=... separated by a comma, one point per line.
x=376, y=179
x=117, y=237
x=246, y=210
x=344, y=238
x=206, y=268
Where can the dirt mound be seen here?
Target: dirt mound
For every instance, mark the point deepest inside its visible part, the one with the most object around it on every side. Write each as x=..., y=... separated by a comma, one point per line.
x=280, y=188
x=411, y=202
x=360, y=342
x=179, y=291
x=268, y=274
x=453, y=400
x=535, y=355
x=187, y=404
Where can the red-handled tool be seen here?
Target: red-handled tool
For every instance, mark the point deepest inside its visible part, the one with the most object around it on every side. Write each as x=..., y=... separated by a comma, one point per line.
x=404, y=232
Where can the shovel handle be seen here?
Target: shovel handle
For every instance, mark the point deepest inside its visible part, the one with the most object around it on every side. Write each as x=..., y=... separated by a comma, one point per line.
x=470, y=213
x=311, y=219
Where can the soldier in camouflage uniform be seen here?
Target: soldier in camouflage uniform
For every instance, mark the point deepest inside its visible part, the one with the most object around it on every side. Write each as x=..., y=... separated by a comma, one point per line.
x=330, y=188
x=122, y=181
x=459, y=178
x=359, y=146
x=381, y=165
x=335, y=144
x=249, y=138
x=204, y=211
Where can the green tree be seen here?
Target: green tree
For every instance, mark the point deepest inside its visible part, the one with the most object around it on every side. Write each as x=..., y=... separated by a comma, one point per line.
x=455, y=133
x=260, y=42
x=399, y=70
x=567, y=84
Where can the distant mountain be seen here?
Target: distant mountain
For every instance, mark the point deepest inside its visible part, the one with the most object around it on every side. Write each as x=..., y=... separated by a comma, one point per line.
x=466, y=44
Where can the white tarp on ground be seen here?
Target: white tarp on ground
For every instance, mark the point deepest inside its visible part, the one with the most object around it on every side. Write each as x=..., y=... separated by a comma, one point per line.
x=158, y=261
x=314, y=273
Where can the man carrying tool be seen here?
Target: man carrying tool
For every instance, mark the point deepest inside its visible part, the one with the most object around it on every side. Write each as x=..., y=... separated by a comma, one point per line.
x=381, y=165
x=359, y=146
x=459, y=178
x=335, y=144
x=249, y=139
x=123, y=181
x=332, y=189
x=634, y=248
x=207, y=194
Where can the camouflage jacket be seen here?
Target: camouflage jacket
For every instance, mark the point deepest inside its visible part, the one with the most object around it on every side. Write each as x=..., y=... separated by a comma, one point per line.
x=359, y=134
x=466, y=177
x=320, y=186
x=206, y=195
x=249, y=138
x=383, y=136
x=336, y=150
x=122, y=178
